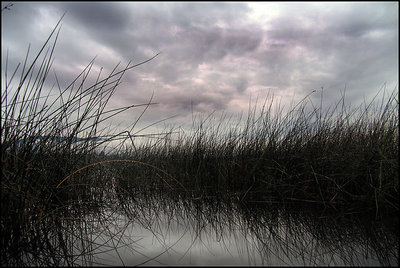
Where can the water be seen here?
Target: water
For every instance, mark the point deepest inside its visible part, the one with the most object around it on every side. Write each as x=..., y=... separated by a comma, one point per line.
x=206, y=232
x=160, y=227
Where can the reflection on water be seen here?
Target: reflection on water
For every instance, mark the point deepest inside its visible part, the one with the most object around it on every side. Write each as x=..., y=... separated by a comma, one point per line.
x=165, y=229
x=162, y=230
x=178, y=241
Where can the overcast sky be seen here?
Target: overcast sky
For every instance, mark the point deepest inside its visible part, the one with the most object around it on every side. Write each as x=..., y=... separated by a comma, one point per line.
x=215, y=55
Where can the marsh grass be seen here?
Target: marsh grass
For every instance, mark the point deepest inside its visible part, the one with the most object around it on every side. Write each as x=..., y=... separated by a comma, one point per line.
x=53, y=174
x=341, y=157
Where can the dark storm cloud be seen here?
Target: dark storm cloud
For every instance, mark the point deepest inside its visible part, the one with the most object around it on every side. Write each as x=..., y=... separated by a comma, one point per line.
x=103, y=17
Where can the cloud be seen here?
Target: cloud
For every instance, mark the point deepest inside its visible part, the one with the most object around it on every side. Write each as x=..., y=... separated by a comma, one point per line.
x=342, y=44
x=105, y=17
x=214, y=55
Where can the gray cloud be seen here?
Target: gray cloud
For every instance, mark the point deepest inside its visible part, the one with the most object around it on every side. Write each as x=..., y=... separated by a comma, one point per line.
x=215, y=54
x=353, y=43
x=214, y=43
x=105, y=17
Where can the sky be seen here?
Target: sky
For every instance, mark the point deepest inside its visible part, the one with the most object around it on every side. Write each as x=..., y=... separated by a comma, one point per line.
x=215, y=56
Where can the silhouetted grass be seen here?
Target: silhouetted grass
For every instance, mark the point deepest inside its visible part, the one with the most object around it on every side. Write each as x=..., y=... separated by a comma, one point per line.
x=45, y=138
x=341, y=157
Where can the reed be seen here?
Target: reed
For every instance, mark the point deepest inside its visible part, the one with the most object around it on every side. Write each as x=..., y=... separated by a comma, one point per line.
x=47, y=134
x=342, y=157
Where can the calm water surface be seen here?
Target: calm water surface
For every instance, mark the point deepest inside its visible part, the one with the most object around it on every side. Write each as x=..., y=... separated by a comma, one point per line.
x=162, y=231
x=137, y=227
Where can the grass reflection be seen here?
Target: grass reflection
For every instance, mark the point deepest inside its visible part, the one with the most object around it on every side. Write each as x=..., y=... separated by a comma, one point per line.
x=180, y=227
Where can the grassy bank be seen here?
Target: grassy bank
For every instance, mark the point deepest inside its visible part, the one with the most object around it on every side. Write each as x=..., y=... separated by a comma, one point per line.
x=340, y=158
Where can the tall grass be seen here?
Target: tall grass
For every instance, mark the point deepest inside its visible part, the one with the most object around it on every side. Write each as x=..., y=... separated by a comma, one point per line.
x=46, y=134
x=339, y=157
